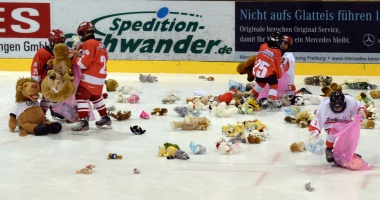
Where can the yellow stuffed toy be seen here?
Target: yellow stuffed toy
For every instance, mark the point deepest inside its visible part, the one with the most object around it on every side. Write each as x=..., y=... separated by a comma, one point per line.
x=58, y=84
x=247, y=68
x=27, y=112
x=111, y=85
x=233, y=130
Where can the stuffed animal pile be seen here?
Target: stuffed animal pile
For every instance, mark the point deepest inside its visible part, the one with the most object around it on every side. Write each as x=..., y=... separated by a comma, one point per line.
x=191, y=123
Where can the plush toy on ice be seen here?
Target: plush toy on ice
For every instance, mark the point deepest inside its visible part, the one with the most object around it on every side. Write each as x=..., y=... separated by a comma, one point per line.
x=27, y=112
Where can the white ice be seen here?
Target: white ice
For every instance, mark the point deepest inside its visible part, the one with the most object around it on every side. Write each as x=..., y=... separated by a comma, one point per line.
x=44, y=167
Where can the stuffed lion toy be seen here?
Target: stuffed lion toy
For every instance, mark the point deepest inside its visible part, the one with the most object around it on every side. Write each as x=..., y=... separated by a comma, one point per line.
x=58, y=84
x=27, y=112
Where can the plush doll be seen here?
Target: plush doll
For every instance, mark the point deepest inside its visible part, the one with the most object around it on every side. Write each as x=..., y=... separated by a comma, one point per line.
x=304, y=118
x=179, y=154
x=197, y=148
x=297, y=147
x=233, y=130
x=182, y=110
x=114, y=156
x=253, y=139
x=165, y=152
x=170, y=97
x=359, y=83
x=363, y=98
x=111, y=85
x=86, y=170
x=159, y=111
x=375, y=94
x=210, y=78
x=58, y=84
x=252, y=125
x=290, y=119
x=27, y=112
x=196, y=104
x=367, y=124
x=137, y=130
x=238, y=138
x=319, y=80
x=260, y=134
x=192, y=123
x=247, y=68
x=121, y=115
x=167, y=145
x=224, y=110
x=148, y=78
x=133, y=98
x=248, y=107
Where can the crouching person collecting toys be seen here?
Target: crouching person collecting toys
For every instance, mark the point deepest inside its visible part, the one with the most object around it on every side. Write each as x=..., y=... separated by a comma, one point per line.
x=267, y=68
x=93, y=64
x=340, y=116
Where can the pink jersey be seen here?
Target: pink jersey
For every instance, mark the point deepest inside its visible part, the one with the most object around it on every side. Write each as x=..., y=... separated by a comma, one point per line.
x=324, y=117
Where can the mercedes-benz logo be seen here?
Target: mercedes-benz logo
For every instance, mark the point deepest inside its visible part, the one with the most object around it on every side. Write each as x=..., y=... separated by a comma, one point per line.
x=368, y=40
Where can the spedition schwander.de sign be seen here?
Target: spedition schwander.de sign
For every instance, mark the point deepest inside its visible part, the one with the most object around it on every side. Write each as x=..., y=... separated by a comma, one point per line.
x=322, y=31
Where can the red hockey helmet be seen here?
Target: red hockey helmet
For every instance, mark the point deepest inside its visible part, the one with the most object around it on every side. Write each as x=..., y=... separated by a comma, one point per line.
x=287, y=41
x=84, y=29
x=56, y=36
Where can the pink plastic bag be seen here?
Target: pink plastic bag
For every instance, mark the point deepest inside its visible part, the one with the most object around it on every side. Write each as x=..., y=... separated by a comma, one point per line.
x=344, y=150
x=282, y=86
x=68, y=108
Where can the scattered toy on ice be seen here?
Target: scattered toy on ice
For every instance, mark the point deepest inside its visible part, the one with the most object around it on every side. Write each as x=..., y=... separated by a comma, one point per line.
x=86, y=170
x=136, y=171
x=114, y=156
x=308, y=187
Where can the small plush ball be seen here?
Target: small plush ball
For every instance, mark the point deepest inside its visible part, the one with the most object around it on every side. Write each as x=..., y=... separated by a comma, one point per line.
x=136, y=171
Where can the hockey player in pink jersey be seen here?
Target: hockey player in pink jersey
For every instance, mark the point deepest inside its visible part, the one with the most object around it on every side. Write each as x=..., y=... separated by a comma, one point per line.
x=339, y=108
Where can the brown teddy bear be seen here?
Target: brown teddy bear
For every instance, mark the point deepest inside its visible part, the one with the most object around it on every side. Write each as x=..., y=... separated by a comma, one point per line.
x=304, y=118
x=159, y=111
x=297, y=147
x=27, y=112
x=58, y=85
x=367, y=124
x=121, y=115
x=253, y=139
x=192, y=123
x=247, y=68
x=375, y=94
x=111, y=85
x=327, y=90
x=318, y=80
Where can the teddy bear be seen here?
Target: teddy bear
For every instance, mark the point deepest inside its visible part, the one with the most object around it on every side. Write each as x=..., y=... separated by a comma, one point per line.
x=27, y=112
x=290, y=119
x=121, y=115
x=260, y=134
x=247, y=68
x=196, y=104
x=319, y=80
x=363, y=98
x=251, y=125
x=147, y=78
x=304, y=118
x=223, y=110
x=165, y=152
x=197, y=148
x=233, y=130
x=179, y=154
x=137, y=130
x=86, y=170
x=327, y=90
x=111, y=85
x=238, y=138
x=114, y=156
x=58, y=84
x=367, y=124
x=248, y=107
x=297, y=147
x=192, y=123
x=375, y=94
x=253, y=139
x=159, y=111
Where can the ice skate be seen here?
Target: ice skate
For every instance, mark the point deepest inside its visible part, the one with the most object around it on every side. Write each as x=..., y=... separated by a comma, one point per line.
x=273, y=105
x=104, y=122
x=56, y=116
x=329, y=155
x=81, y=128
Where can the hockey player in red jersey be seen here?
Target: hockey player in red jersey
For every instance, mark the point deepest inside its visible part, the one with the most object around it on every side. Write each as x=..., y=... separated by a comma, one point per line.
x=338, y=108
x=93, y=64
x=40, y=67
x=267, y=68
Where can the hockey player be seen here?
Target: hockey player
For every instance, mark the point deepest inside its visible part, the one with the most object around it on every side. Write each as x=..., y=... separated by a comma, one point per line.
x=93, y=64
x=288, y=65
x=267, y=69
x=339, y=108
x=39, y=67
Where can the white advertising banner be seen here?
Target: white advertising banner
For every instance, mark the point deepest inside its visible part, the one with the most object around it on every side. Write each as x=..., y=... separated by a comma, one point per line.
x=154, y=30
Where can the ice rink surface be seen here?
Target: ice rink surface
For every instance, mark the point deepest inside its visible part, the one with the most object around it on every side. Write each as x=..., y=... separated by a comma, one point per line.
x=44, y=167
